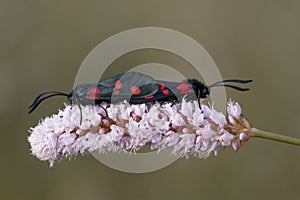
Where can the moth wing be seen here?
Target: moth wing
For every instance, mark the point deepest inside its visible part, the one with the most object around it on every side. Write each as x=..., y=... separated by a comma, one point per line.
x=129, y=84
x=107, y=86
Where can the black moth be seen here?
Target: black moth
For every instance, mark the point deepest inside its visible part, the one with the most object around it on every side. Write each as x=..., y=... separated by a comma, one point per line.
x=138, y=88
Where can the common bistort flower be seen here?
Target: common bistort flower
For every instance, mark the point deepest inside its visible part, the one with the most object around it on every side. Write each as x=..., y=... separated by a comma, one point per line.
x=183, y=127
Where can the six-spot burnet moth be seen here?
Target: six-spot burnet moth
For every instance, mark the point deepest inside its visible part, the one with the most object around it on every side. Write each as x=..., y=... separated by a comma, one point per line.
x=138, y=88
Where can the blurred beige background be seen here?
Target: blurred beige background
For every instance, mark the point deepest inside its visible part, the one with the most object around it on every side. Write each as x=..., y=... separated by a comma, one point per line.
x=43, y=43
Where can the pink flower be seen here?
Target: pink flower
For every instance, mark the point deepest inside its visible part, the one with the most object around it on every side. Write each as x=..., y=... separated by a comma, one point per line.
x=183, y=127
x=234, y=109
x=218, y=117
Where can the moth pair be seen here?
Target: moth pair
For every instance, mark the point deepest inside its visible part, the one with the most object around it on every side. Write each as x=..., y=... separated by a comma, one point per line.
x=138, y=88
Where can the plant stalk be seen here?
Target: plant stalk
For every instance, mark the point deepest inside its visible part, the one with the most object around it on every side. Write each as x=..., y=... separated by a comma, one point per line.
x=275, y=137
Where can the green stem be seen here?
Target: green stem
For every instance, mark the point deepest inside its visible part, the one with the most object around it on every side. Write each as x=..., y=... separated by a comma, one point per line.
x=274, y=136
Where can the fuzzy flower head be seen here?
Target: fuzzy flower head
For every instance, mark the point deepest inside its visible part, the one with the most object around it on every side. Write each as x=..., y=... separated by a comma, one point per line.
x=234, y=109
x=183, y=127
x=239, y=125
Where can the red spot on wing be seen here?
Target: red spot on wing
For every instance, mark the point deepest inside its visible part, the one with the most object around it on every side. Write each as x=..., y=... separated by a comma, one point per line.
x=92, y=93
x=135, y=90
x=149, y=97
x=116, y=92
x=165, y=91
x=91, y=96
x=161, y=86
x=94, y=90
x=184, y=88
x=118, y=84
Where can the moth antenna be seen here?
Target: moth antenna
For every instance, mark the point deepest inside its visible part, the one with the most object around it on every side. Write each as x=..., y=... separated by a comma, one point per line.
x=232, y=86
x=231, y=81
x=43, y=93
x=38, y=100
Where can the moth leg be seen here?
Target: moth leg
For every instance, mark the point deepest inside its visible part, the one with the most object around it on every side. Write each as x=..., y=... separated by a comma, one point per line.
x=162, y=103
x=103, y=109
x=199, y=103
x=174, y=101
